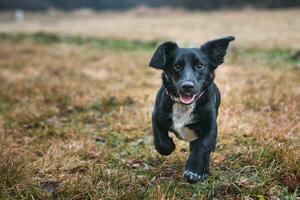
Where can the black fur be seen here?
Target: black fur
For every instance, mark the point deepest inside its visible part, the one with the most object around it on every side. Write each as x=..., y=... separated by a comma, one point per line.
x=193, y=66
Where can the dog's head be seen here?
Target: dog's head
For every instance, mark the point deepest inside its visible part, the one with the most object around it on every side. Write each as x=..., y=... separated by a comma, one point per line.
x=188, y=71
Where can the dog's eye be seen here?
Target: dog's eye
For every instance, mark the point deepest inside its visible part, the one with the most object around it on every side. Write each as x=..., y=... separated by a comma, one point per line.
x=199, y=66
x=177, y=66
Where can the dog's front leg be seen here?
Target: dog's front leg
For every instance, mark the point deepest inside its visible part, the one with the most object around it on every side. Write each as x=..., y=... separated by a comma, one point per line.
x=163, y=143
x=197, y=166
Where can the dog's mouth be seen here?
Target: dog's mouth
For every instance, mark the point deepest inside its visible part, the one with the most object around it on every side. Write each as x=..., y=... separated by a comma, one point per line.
x=187, y=98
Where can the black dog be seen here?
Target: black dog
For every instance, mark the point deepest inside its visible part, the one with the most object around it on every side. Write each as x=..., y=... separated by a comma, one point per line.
x=187, y=102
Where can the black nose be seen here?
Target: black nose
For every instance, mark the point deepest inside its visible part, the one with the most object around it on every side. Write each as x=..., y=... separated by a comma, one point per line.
x=187, y=86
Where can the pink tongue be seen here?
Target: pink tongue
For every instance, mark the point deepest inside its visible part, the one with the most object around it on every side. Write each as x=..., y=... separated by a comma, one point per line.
x=186, y=99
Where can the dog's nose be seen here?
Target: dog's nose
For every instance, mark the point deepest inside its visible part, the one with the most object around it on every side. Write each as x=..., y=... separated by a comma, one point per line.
x=187, y=86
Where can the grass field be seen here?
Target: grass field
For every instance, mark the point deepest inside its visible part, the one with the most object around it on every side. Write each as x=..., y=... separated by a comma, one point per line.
x=75, y=107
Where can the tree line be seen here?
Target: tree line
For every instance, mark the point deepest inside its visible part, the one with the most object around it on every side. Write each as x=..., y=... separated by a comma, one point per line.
x=128, y=4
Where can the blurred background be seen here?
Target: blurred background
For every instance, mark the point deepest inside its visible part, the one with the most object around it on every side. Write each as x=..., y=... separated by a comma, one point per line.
x=76, y=96
x=130, y=4
x=258, y=23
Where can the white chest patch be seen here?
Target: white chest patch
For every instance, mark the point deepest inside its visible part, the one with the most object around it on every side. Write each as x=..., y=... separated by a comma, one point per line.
x=181, y=116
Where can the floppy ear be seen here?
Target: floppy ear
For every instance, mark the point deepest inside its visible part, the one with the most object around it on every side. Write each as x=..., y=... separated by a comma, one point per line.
x=216, y=49
x=159, y=58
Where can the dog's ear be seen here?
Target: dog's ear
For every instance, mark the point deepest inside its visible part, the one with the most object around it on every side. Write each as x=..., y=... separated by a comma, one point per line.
x=216, y=49
x=159, y=58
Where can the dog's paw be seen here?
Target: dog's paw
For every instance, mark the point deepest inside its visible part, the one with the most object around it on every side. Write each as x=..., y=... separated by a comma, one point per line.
x=193, y=177
x=164, y=149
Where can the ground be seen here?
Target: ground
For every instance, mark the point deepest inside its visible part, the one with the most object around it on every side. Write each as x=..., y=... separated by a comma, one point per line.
x=76, y=97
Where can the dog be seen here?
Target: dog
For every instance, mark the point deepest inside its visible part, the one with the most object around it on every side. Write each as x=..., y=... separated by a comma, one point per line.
x=187, y=102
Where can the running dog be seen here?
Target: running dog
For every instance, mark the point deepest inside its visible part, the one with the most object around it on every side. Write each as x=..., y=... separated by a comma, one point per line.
x=187, y=103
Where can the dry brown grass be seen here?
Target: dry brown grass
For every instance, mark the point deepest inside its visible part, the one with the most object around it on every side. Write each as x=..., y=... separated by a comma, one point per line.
x=264, y=29
x=76, y=124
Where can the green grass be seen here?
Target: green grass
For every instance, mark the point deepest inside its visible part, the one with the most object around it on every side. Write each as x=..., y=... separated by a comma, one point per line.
x=50, y=38
x=274, y=58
